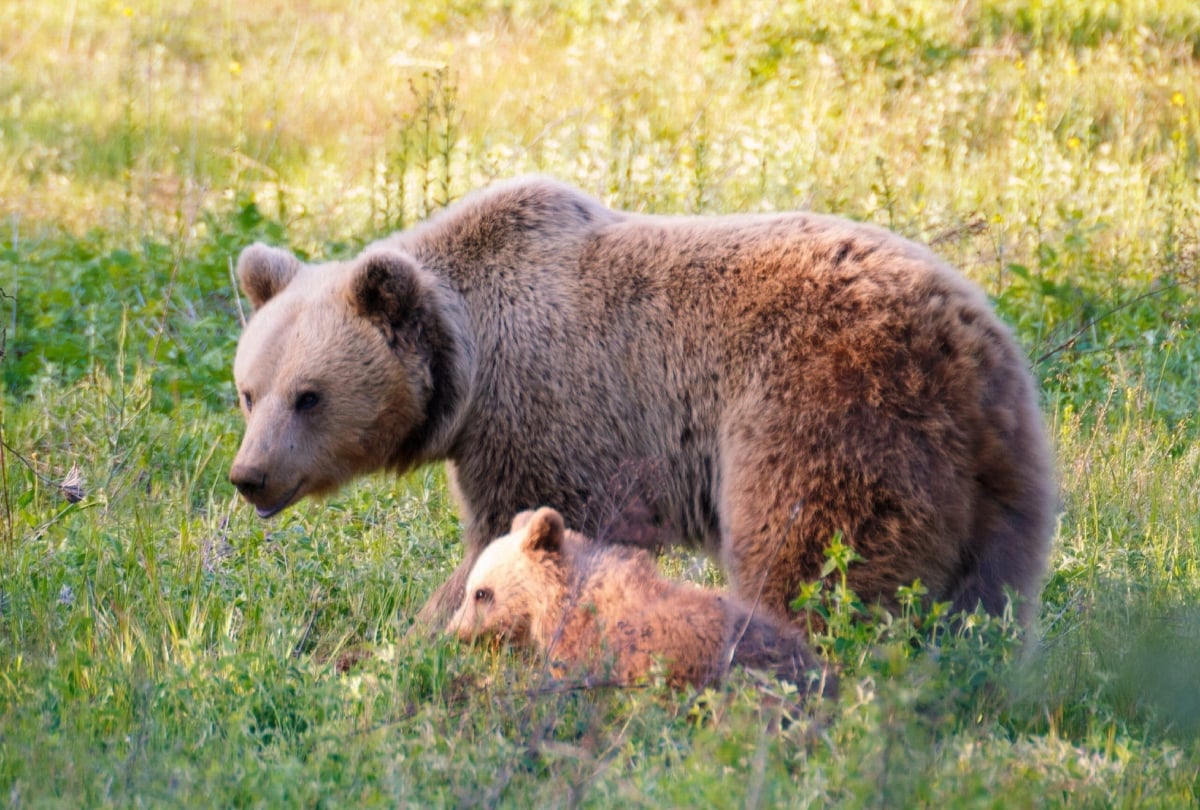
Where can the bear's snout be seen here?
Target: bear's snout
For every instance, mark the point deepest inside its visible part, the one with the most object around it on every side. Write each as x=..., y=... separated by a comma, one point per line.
x=268, y=495
x=249, y=480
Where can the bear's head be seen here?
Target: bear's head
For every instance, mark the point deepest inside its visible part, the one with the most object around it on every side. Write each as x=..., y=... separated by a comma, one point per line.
x=517, y=587
x=343, y=369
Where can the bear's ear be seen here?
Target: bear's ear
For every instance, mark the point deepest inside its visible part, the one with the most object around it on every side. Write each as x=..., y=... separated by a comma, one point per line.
x=544, y=531
x=385, y=287
x=263, y=271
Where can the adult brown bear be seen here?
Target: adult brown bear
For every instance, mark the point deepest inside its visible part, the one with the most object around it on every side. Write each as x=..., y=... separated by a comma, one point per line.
x=785, y=377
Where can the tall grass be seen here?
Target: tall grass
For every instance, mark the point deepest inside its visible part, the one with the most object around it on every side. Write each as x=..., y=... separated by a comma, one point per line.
x=159, y=645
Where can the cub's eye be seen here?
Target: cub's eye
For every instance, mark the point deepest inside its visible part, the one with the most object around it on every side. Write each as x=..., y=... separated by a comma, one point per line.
x=484, y=596
x=307, y=400
x=248, y=400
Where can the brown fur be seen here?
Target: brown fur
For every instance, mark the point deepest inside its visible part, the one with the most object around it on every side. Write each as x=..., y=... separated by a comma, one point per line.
x=786, y=377
x=597, y=609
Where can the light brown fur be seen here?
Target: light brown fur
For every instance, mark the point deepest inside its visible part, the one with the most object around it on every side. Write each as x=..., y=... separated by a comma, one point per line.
x=785, y=377
x=598, y=609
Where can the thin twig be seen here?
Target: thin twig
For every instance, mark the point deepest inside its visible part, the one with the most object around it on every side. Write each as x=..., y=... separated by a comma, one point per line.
x=9, y=533
x=316, y=594
x=26, y=462
x=186, y=229
x=797, y=510
x=1070, y=341
x=236, y=293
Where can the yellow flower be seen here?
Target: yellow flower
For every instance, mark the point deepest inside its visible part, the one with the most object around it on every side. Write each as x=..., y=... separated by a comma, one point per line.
x=1074, y=143
x=127, y=11
x=235, y=67
x=1177, y=99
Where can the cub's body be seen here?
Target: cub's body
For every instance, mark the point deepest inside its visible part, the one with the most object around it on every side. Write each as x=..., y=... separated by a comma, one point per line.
x=603, y=610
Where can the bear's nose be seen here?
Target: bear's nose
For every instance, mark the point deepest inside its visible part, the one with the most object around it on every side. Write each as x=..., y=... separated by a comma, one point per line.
x=248, y=480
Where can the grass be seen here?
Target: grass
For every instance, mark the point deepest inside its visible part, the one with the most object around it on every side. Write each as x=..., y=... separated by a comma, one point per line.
x=160, y=646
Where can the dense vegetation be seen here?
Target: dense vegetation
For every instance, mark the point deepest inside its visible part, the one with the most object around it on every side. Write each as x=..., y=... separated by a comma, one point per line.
x=161, y=646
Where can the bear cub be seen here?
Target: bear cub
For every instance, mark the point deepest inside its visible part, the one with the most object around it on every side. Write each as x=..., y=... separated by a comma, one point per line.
x=600, y=609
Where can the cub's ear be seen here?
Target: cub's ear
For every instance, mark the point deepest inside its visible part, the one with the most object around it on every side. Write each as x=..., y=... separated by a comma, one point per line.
x=385, y=287
x=263, y=271
x=544, y=531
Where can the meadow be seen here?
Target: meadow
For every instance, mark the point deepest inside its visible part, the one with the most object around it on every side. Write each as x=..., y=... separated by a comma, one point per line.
x=161, y=646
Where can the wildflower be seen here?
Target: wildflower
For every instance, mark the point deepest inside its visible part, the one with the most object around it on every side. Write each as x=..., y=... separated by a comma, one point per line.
x=66, y=596
x=1177, y=99
x=72, y=485
x=235, y=67
x=1073, y=143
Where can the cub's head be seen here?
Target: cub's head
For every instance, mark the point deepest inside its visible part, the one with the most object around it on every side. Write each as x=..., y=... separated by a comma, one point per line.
x=343, y=369
x=516, y=589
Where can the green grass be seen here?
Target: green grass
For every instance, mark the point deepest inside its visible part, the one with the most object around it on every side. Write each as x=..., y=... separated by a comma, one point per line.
x=161, y=646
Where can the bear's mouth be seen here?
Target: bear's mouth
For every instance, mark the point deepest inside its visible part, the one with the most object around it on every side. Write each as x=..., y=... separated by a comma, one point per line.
x=269, y=511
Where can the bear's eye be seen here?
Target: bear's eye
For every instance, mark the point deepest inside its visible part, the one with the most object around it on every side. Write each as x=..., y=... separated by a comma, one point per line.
x=248, y=400
x=307, y=400
x=484, y=596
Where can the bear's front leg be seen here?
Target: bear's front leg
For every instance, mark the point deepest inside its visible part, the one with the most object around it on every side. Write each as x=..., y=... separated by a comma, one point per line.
x=437, y=611
x=479, y=531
